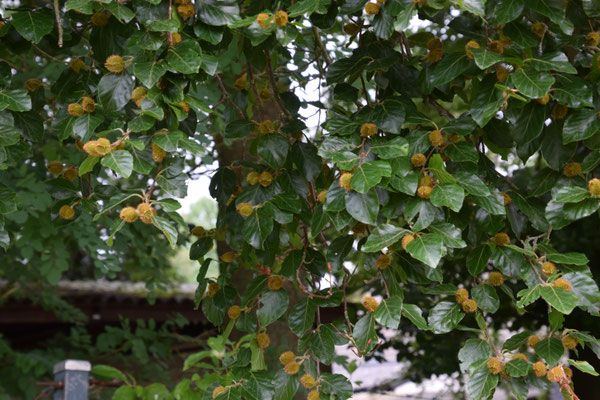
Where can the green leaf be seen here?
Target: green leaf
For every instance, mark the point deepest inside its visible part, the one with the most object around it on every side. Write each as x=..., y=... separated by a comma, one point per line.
x=273, y=305
x=450, y=67
x=257, y=227
x=415, y=315
x=82, y=6
x=337, y=385
x=580, y=125
x=571, y=194
x=200, y=248
x=218, y=13
x=531, y=83
x=550, y=349
x=472, y=183
x=273, y=149
x=556, y=61
x=449, y=233
x=114, y=92
x=508, y=10
x=184, y=57
x=444, y=317
x=383, y=24
x=486, y=297
x=120, y=161
x=388, y=116
x=530, y=123
x=462, y=152
x=88, y=165
x=321, y=343
x=106, y=371
x=253, y=289
x=167, y=228
x=168, y=140
x=584, y=367
x=516, y=341
x=448, y=195
x=85, y=126
x=122, y=13
x=33, y=25
x=427, y=249
x=436, y=164
x=369, y=174
x=517, y=367
x=303, y=7
x=383, y=236
x=286, y=386
x=426, y=211
x=389, y=311
x=364, y=332
x=149, y=72
x=573, y=91
x=364, y=207
x=487, y=102
x=481, y=383
x=164, y=25
x=302, y=316
x=15, y=100
x=485, y=58
x=559, y=298
x=389, y=149
x=478, y=258
x=474, y=350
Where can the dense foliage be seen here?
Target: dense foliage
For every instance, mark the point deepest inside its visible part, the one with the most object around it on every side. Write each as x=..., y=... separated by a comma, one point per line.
x=445, y=162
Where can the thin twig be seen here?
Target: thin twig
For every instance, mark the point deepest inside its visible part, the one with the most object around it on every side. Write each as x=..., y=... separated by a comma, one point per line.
x=273, y=84
x=319, y=43
x=253, y=86
x=226, y=94
x=58, y=23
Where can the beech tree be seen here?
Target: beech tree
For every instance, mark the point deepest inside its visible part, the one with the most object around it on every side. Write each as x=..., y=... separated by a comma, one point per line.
x=445, y=161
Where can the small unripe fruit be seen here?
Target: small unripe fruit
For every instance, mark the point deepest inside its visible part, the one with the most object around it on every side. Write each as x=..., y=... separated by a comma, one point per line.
x=252, y=178
x=507, y=199
x=539, y=369
x=418, y=160
x=383, y=261
x=219, y=390
x=90, y=148
x=570, y=342
x=281, y=18
x=186, y=11
x=55, y=167
x=115, y=64
x=228, y=257
x=592, y=39
x=266, y=127
x=563, y=284
x=372, y=8
x=292, y=368
x=138, y=94
x=572, y=169
x=265, y=179
x=264, y=94
x=501, y=239
x=345, y=179
x=213, y=288
x=406, y=240
x=539, y=29
x=198, y=231
x=103, y=146
x=88, y=104
x=351, y=29
x=532, y=341
x=559, y=111
x=262, y=20
x=548, y=268
x=434, y=43
x=263, y=340
x=32, y=84
x=502, y=74
x=286, y=357
x=520, y=356
x=367, y=130
x=313, y=395
x=322, y=196
x=543, y=100
x=424, y=192
x=234, y=312
x=496, y=46
x=158, y=153
x=471, y=44
x=128, y=214
x=77, y=65
x=436, y=138
x=496, y=278
x=175, y=37
x=370, y=303
x=435, y=55
x=66, y=212
x=568, y=372
x=469, y=306
x=555, y=374
x=308, y=381
x=70, y=174
x=146, y=212
x=594, y=187
x=75, y=109
x=244, y=209
x=100, y=18
x=241, y=83
x=275, y=283
x=494, y=365
x=426, y=181
x=461, y=295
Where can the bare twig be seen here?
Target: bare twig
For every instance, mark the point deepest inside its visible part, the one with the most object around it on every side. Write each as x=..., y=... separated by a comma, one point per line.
x=58, y=23
x=319, y=44
x=226, y=94
x=273, y=84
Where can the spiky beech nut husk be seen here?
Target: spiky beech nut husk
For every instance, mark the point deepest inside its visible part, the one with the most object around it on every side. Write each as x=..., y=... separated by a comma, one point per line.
x=592, y=39
x=241, y=83
x=313, y=395
x=88, y=104
x=418, y=160
x=383, y=261
x=266, y=127
x=568, y=372
x=594, y=187
x=281, y=18
x=265, y=179
x=370, y=303
x=308, y=381
x=351, y=29
x=426, y=181
x=494, y=365
x=435, y=55
x=502, y=74
x=234, y=312
x=424, y=192
x=198, y=231
x=563, y=284
x=559, y=111
x=219, y=390
x=345, y=179
x=66, y=212
x=70, y=174
x=532, y=341
x=406, y=240
x=176, y=37
x=322, y=196
x=572, y=169
x=75, y=109
x=275, y=283
x=520, y=356
x=90, y=148
x=77, y=65
x=570, y=342
x=128, y=214
x=496, y=46
x=186, y=11
x=101, y=18
x=291, y=368
x=103, y=146
x=539, y=369
x=55, y=167
x=496, y=278
x=264, y=94
x=359, y=228
x=461, y=295
x=367, y=130
x=372, y=8
x=507, y=199
x=471, y=44
x=287, y=357
x=262, y=20
x=501, y=239
x=32, y=84
x=158, y=153
x=145, y=212
x=434, y=43
x=228, y=257
x=213, y=288
x=556, y=374
x=245, y=209
x=138, y=94
x=436, y=138
x=252, y=178
x=544, y=99
x=469, y=306
x=183, y=106
x=115, y=64
x=538, y=28
x=548, y=268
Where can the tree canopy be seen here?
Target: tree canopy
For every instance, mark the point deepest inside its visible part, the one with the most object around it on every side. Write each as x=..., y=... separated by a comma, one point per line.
x=443, y=160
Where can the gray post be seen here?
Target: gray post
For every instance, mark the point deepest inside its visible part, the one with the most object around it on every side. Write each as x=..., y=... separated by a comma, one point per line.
x=74, y=374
